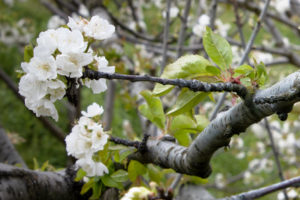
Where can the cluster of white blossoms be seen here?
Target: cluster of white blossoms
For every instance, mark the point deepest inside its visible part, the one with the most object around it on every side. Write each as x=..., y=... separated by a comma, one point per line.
x=204, y=20
x=63, y=52
x=87, y=138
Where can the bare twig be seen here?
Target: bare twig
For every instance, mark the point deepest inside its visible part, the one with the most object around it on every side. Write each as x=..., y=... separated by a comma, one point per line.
x=193, y=85
x=254, y=194
x=183, y=27
x=276, y=155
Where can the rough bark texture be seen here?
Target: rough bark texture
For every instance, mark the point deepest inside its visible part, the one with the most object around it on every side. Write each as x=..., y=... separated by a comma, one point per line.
x=8, y=153
x=195, y=159
x=17, y=183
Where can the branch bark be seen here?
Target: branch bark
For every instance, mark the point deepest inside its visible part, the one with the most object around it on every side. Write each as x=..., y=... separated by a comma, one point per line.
x=17, y=183
x=195, y=159
x=8, y=153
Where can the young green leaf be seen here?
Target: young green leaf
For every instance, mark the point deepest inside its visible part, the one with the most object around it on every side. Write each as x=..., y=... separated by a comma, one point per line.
x=217, y=48
x=28, y=52
x=245, y=70
x=87, y=186
x=187, y=67
x=97, y=189
x=213, y=70
x=109, y=182
x=183, y=138
x=153, y=110
x=120, y=176
x=186, y=101
x=80, y=174
x=135, y=169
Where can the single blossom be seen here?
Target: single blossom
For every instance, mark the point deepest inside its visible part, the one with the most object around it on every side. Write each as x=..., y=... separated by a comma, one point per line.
x=31, y=88
x=46, y=43
x=71, y=64
x=70, y=41
x=98, y=28
x=43, y=68
x=91, y=167
x=99, y=86
x=56, y=89
x=93, y=110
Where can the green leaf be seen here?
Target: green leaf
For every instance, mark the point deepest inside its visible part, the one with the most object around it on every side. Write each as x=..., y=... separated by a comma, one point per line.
x=35, y=164
x=97, y=189
x=135, y=169
x=120, y=176
x=186, y=100
x=155, y=173
x=87, y=186
x=213, y=70
x=187, y=67
x=261, y=74
x=80, y=174
x=217, y=48
x=153, y=110
x=28, y=52
x=183, y=137
x=183, y=122
x=44, y=166
x=125, y=153
x=245, y=70
x=109, y=182
x=202, y=122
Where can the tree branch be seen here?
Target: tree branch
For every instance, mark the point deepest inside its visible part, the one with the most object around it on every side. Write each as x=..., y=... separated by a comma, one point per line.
x=193, y=85
x=195, y=159
x=265, y=190
x=17, y=183
x=8, y=153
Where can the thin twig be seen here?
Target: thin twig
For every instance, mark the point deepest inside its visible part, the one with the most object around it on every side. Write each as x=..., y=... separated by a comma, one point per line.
x=193, y=85
x=165, y=39
x=213, y=13
x=276, y=155
x=253, y=194
x=183, y=27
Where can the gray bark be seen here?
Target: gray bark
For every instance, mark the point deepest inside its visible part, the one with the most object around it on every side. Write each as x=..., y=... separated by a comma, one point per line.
x=194, y=160
x=8, y=153
x=17, y=183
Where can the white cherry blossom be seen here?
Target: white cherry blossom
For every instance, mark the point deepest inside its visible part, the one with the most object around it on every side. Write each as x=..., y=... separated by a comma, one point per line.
x=46, y=43
x=98, y=28
x=56, y=89
x=99, y=86
x=91, y=167
x=77, y=23
x=43, y=68
x=30, y=87
x=93, y=110
x=71, y=64
x=199, y=28
x=70, y=41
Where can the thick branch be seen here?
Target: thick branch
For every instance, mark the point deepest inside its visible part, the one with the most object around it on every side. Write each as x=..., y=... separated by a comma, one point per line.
x=195, y=159
x=17, y=183
x=8, y=153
